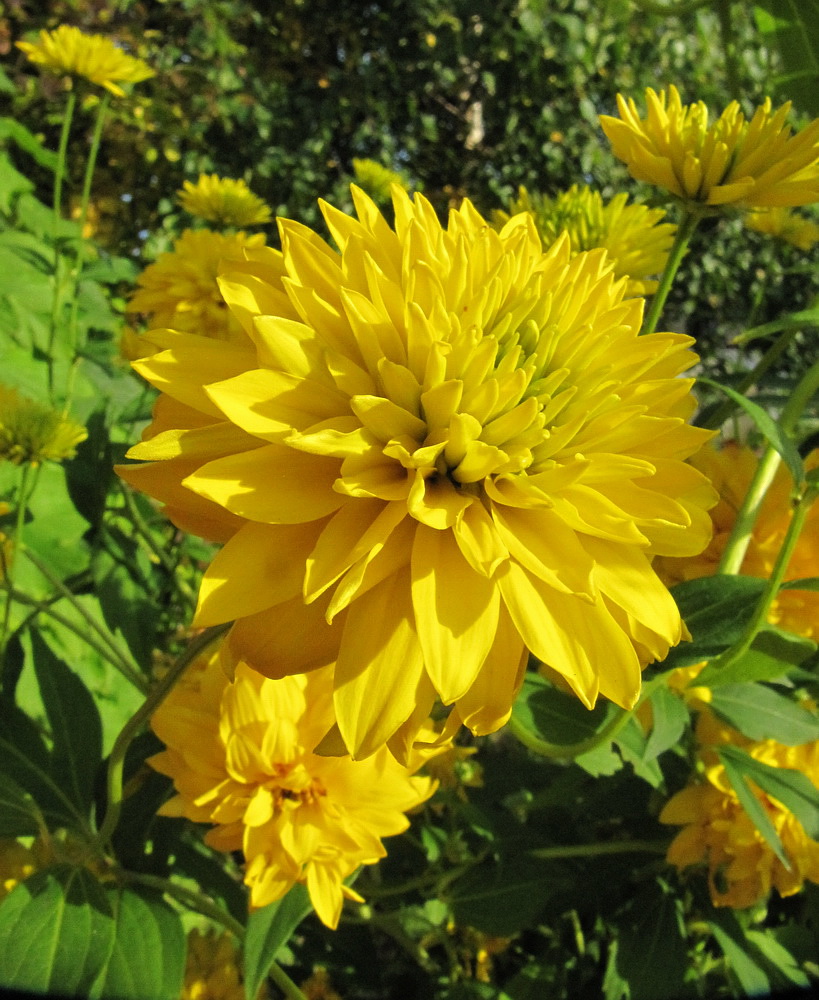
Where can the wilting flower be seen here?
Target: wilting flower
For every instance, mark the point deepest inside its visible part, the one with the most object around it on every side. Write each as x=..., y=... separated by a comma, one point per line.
x=16, y=864
x=377, y=180
x=718, y=833
x=438, y=450
x=179, y=290
x=732, y=161
x=730, y=470
x=240, y=755
x=633, y=236
x=225, y=201
x=70, y=52
x=31, y=432
x=789, y=226
x=212, y=968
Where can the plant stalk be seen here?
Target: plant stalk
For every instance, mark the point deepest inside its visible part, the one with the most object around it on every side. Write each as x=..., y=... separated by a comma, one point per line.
x=684, y=233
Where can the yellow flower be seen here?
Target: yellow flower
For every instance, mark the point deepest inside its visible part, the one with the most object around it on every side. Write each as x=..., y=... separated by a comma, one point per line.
x=319, y=986
x=730, y=471
x=445, y=448
x=241, y=757
x=377, y=180
x=16, y=864
x=31, y=432
x=180, y=289
x=785, y=225
x=228, y=202
x=732, y=161
x=212, y=968
x=69, y=51
x=718, y=833
x=632, y=235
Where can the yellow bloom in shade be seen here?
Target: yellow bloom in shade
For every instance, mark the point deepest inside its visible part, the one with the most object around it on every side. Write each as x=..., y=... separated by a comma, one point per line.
x=225, y=201
x=212, y=968
x=16, y=864
x=70, y=52
x=718, y=833
x=635, y=238
x=31, y=432
x=441, y=448
x=180, y=290
x=730, y=470
x=785, y=225
x=377, y=180
x=240, y=755
x=729, y=162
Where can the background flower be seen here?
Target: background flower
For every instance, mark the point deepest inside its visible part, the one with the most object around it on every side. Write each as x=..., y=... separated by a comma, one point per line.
x=220, y=199
x=785, y=225
x=31, y=433
x=240, y=756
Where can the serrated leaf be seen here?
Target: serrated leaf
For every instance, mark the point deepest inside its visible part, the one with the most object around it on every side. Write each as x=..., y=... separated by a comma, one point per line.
x=752, y=806
x=75, y=725
x=268, y=929
x=19, y=814
x=794, y=790
x=768, y=428
x=670, y=719
x=56, y=931
x=760, y=713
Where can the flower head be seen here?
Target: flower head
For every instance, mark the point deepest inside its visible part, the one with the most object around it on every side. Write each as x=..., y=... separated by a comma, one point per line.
x=731, y=470
x=31, y=432
x=732, y=161
x=377, y=180
x=240, y=756
x=717, y=832
x=633, y=236
x=180, y=290
x=69, y=51
x=791, y=227
x=438, y=450
x=212, y=968
x=225, y=201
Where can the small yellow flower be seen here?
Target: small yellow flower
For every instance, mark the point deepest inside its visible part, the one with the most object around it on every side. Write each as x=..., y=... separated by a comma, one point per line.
x=180, y=290
x=240, y=756
x=730, y=471
x=319, y=987
x=16, y=864
x=31, y=432
x=377, y=180
x=212, y=968
x=730, y=162
x=224, y=201
x=785, y=225
x=717, y=832
x=635, y=238
x=70, y=52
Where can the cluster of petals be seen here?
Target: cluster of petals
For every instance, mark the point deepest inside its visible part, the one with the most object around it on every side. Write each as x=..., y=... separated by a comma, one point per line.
x=212, y=968
x=732, y=161
x=180, y=288
x=32, y=432
x=730, y=470
x=240, y=756
x=718, y=833
x=223, y=200
x=634, y=236
x=785, y=225
x=71, y=52
x=438, y=450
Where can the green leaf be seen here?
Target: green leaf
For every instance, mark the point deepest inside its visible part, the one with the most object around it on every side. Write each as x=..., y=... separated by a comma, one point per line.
x=730, y=937
x=716, y=610
x=75, y=725
x=56, y=931
x=147, y=957
x=670, y=719
x=268, y=929
x=555, y=716
x=762, y=714
x=807, y=583
x=784, y=968
x=19, y=815
x=768, y=428
x=773, y=653
x=793, y=789
x=632, y=742
x=752, y=806
x=793, y=25
x=28, y=142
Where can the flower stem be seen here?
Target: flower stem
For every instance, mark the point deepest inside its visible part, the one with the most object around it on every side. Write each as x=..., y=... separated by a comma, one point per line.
x=23, y=495
x=189, y=897
x=59, y=175
x=116, y=761
x=285, y=983
x=685, y=231
x=595, y=850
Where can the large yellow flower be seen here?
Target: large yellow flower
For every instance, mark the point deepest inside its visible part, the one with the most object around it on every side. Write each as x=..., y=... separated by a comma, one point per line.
x=31, y=432
x=730, y=470
x=450, y=445
x=240, y=755
x=220, y=199
x=634, y=237
x=732, y=161
x=71, y=52
x=717, y=832
x=179, y=290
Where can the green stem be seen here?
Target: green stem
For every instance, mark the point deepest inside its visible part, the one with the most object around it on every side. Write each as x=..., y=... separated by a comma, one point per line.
x=595, y=850
x=59, y=175
x=685, y=231
x=723, y=8
x=285, y=983
x=189, y=897
x=116, y=761
x=798, y=400
x=23, y=497
x=740, y=538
